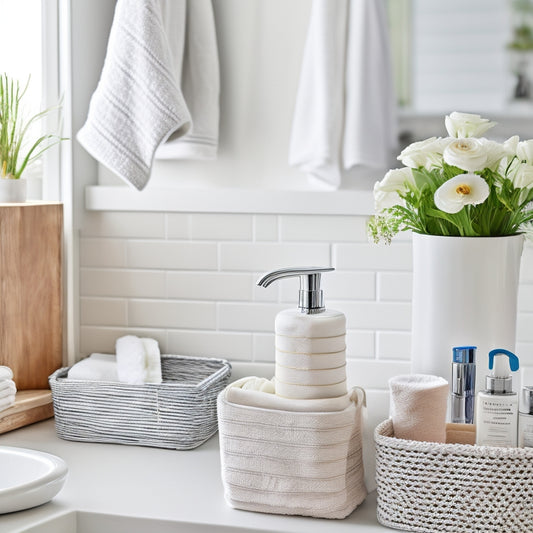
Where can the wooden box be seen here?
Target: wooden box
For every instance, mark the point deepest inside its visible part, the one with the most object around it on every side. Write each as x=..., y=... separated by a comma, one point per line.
x=31, y=311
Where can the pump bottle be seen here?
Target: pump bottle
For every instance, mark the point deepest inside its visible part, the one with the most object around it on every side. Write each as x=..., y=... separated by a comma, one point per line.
x=310, y=340
x=497, y=406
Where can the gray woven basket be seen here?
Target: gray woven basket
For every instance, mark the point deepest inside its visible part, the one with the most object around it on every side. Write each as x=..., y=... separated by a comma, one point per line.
x=180, y=413
x=430, y=487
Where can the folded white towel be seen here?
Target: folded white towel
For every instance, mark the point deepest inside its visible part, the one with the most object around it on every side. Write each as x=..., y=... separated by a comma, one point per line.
x=152, y=361
x=259, y=392
x=7, y=388
x=5, y=373
x=96, y=367
x=190, y=28
x=138, y=360
x=138, y=103
x=418, y=407
x=345, y=112
x=131, y=360
x=303, y=463
x=6, y=402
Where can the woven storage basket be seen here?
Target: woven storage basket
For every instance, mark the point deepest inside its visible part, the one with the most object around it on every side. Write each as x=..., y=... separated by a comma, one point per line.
x=179, y=413
x=288, y=462
x=431, y=487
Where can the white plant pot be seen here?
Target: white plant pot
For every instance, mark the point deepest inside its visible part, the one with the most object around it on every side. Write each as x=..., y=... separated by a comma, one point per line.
x=12, y=190
x=464, y=293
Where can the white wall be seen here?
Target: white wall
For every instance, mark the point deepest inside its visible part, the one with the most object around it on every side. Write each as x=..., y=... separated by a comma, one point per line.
x=188, y=279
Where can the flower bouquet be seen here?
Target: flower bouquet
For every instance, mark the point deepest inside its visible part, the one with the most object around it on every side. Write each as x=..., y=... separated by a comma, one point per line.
x=461, y=185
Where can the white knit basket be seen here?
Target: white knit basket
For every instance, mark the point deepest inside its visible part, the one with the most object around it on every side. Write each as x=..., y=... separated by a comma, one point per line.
x=431, y=487
x=295, y=463
x=179, y=413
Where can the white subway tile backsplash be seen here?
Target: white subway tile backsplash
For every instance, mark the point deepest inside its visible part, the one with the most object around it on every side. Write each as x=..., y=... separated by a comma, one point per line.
x=524, y=327
x=374, y=374
x=337, y=285
x=119, y=282
x=264, y=347
x=261, y=257
x=178, y=226
x=322, y=228
x=172, y=255
x=247, y=316
x=171, y=314
x=124, y=224
x=265, y=228
x=395, y=286
x=103, y=312
x=367, y=256
x=103, y=339
x=211, y=344
x=223, y=227
x=209, y=286
x=360, y=344
x=393, y=345
x=184, y=279
x=102, y=252
x=374, y=315
x=525, y=297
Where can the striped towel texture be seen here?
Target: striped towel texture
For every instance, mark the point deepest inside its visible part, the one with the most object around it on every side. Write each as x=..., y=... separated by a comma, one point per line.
x=294, y=463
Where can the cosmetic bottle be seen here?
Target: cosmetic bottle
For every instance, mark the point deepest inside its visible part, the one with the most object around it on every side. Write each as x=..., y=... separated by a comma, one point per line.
x=525, y=418
x=463, y=384
x=310, y=340
x=497, y=406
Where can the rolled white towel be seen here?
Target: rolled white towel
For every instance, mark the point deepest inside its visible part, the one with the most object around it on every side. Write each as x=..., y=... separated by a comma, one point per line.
x=96, y=367
x=5, y=373
x=131, y=367
x=152, y=361
x=260, y=392
x=7, y=402
x=7, y=388
x=418, y=407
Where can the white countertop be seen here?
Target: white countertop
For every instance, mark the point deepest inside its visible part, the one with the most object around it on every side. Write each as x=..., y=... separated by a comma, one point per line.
x=177, y=486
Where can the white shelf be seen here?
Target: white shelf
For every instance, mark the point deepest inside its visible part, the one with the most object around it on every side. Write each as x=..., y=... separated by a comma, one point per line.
x=229, y=200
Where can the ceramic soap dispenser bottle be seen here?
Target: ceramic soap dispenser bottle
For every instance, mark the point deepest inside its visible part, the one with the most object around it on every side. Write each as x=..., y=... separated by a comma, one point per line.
x=310, y=340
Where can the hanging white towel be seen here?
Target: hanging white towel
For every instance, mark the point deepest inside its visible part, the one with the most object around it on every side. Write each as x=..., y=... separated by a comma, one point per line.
x=139, y=102
x=345, y=111
x=193, y=47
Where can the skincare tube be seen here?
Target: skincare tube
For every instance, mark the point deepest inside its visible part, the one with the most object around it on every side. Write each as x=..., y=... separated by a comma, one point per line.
x=463, y=384
x=525, y=418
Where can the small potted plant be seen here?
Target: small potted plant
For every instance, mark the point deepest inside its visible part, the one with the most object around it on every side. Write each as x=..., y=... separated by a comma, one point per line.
x=19, y=146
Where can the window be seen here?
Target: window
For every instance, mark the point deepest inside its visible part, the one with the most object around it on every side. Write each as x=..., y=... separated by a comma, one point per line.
x=28, y=51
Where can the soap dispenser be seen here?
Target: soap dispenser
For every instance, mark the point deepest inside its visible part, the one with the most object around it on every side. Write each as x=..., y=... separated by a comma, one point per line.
x=310, y=340
x=497, y=406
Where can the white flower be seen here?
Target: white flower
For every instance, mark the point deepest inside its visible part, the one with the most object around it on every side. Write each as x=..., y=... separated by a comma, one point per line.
x=387, y=191
x=459, y=191
x=427, y=153
x=524, y=151
x=523, y=176
x=463, y=125
x=496, y=151
x=397, y=180
x=468, y=154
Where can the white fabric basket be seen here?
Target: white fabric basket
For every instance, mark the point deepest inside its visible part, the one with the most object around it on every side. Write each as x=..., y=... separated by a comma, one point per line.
x=432, y=488
x=295, y=463
x=179, y=413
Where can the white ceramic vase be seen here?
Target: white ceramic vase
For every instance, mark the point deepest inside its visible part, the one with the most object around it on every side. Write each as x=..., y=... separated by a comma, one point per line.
x=464, y=293
x=12, y=190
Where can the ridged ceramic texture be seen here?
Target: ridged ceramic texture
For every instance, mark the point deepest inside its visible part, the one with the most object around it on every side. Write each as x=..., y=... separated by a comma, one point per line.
x=179, y=413
x=458, y=488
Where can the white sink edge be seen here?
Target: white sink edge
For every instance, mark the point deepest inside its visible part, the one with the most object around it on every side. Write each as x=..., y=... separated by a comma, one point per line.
x=35, y=492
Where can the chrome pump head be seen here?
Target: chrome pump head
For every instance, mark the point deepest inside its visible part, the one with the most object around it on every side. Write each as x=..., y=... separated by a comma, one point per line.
x=310, y=297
